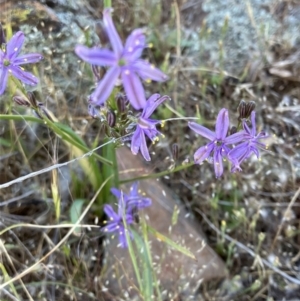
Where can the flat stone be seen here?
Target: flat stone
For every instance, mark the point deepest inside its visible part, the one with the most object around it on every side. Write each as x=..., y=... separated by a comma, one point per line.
x=176, y=272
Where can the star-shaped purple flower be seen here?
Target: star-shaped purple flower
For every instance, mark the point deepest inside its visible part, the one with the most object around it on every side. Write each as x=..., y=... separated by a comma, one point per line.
x=133, y=200
x=146, y=126
x=218, y=148
x=250, y=145
x=124, y=63
x=11, y=61
x=115, y=221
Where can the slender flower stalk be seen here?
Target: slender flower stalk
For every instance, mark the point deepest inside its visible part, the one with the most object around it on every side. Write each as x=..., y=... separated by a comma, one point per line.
x=124, y=61
x=218, y=147
x=147, y=127
x=11, y=62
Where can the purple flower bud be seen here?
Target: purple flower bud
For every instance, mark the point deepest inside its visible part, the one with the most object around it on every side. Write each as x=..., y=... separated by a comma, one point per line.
x=111, y=118
x=233, y=130
x=121, y=101
x=97, y=72
x=32, y=99
x=21, y=101
x=245, y=109
x=101, y=33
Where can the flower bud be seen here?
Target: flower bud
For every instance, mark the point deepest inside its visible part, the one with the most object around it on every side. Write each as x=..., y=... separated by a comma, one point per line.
x=121, y=101
x=32, y=99
x=233, y=130
x=245, y=109
x=21, y=101
x=96, y=72
x=101, y=33
x=92, y=111
x=111, y=118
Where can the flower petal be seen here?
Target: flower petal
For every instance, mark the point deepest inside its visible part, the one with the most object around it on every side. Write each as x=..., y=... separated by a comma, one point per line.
x=135, y=44
x=3, y=79
x=136, y=141
x=134, y=89
x=111, y=214
x=253, y=124
x=235, y=138
x=147, y=71
x=14, y=45
x=25, y=77
x=218, y=163
x=222, y=124
x=201, y=130
x=203, y=153
x=240, y=152
x=28, y=58
x=153, y=102
x=116, y=192
x=111, y=227
x=105, y=86
x=144, y=149
x=111, y=31
x=96, y=56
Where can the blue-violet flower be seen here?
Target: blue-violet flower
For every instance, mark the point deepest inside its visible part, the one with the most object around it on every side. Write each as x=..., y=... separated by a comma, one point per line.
x=146, y=126
x=218, y=148
x=124, y=62
x=11, y=61
x=251, y=143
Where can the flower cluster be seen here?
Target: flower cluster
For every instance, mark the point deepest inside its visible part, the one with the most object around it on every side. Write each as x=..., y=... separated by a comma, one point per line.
x=124, y=63
x=236, y=147
x=11, y=61
x=128, y=205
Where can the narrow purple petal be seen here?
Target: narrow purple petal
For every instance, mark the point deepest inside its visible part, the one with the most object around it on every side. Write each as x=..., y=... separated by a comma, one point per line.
x=28, y=58
x=3, y=79
x=201, y=130
x=96, y=56
x=135, y=44
x=148, y=72
x=116, y=192
x=111, y=227
x=203, y=153
x=14, y=45
x=240, y=152
x=134, y=89
x=222, y=124
x=111, y=214
x=235, y=138
x=253, y=124
x=153, y=103
x=111, y=31
x=122, y=206
x=136, y=141
x=25, y=77
x=144, y=148
x=134, y=189
x=218, y=163
x=105, y=86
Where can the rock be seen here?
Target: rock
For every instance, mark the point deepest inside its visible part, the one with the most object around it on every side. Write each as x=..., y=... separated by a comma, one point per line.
x=177, y=273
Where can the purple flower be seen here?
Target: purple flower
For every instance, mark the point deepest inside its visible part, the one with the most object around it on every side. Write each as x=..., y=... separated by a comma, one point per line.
x=11, y=61
x=146, y=127
x=133, y=200
x=116, y=220
x=218, y=148
x=250, y=145
x=124, y=62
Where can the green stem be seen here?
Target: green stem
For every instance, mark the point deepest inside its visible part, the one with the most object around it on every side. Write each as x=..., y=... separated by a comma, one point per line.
x=107, y=3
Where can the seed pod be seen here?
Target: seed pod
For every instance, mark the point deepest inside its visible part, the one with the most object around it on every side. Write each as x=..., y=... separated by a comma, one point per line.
x=175, y=151
x=2, y=36
x=21, y=101
x=111, y=118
